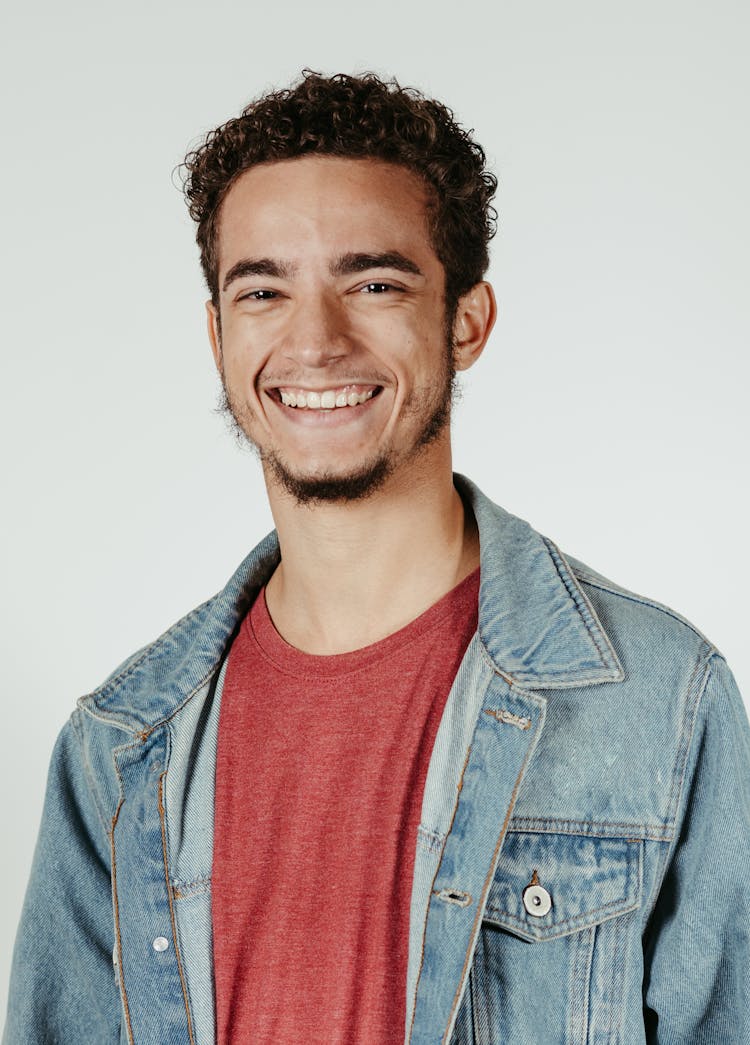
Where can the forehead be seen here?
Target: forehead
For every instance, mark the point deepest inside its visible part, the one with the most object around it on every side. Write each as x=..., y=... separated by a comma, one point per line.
x=323, y=204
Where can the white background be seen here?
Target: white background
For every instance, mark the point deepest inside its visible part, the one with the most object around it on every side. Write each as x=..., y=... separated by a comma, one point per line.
x=609, y=408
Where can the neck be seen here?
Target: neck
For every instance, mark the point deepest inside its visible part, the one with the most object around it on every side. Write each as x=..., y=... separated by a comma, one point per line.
x=352, y=573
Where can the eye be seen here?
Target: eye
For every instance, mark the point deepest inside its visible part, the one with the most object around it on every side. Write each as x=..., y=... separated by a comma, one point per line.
x=377, y=288
x=258, y=295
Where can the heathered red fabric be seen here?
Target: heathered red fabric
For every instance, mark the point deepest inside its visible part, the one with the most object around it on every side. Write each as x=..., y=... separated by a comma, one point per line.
x=319, y=780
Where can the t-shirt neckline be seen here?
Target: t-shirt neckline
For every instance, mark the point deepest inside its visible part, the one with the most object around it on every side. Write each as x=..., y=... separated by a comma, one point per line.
x=289, y=659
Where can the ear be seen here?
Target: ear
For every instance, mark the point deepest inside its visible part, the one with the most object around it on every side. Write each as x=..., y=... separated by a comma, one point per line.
x=214, y=334
x=475, y=318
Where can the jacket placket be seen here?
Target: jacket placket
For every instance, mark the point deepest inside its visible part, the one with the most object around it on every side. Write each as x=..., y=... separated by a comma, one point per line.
x=507, y=731
x=152, y=983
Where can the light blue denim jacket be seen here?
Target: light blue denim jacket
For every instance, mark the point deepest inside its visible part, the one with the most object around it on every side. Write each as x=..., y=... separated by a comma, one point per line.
x=582, y=863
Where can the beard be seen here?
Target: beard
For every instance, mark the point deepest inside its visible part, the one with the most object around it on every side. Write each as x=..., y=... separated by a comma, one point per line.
x=433, y=403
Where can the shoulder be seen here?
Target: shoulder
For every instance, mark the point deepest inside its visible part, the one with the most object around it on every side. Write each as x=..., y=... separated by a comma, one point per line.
x=148, y=687
x=631, y=609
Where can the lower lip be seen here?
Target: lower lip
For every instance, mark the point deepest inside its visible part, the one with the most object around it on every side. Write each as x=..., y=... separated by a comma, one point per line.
x=331, y=418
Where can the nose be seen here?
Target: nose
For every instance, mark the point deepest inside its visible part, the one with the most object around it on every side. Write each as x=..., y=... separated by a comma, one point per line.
x=318, y=334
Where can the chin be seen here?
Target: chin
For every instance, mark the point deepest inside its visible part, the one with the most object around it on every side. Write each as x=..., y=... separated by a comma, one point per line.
x=327, y=487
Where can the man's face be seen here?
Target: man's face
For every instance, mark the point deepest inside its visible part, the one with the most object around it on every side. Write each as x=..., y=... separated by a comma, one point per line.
x=333, y=347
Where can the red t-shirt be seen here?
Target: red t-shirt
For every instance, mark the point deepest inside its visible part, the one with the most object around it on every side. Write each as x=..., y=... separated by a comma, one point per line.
x=319, y=780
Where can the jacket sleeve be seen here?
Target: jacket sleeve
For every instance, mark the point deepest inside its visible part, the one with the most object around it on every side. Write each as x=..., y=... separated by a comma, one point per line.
x=63, y=986
x=697, y=946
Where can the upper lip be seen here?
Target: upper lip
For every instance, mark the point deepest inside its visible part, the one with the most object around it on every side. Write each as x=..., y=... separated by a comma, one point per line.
x=339, y=386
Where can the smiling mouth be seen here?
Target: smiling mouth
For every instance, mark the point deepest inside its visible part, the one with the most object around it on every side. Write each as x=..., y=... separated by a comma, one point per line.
x=326, y=398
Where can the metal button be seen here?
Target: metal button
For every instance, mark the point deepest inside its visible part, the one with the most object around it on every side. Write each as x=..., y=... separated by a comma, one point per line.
x=160, y=943
x=537, y=900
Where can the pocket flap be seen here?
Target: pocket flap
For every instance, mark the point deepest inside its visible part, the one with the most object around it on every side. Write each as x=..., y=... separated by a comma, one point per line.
x=587, y=880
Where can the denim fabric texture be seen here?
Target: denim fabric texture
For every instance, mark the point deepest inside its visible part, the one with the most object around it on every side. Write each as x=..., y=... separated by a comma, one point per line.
x=582, y=870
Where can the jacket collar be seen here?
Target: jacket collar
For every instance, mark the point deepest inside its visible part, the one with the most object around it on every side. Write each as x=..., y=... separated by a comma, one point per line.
x=535, y=623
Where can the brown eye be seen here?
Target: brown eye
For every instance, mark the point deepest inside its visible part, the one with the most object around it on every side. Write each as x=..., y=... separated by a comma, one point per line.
x=258, y=295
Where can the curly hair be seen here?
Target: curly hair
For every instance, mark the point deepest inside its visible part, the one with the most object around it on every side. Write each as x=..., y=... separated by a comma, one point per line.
x=354, y=117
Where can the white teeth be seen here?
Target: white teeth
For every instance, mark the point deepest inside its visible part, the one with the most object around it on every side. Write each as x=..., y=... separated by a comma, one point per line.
x=324, y=400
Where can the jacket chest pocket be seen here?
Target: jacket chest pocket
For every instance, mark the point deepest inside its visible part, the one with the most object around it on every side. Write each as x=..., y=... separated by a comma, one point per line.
x=554, y=944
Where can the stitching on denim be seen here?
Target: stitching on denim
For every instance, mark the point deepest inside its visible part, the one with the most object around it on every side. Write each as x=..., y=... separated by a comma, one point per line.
x=155, y=647
x=432, y=841
x=108, y=719
x=631, y=596
x=148, y=729
x=196, y=887
x=116, y=753
x=618, y=973
x=432, y=886
x=519, y=680
x=188, y=883
x=586, y=611
x=145, y=733
x=667, y=855
x=553, y=678
x=633, y=884
x=533, y=825
x=583, y=920
x=588, y=940
x=686, y=737
x=490, y=875
x=87, y=771
x=506, y=717
x=116, y=911
x=580, y=973
x=170, y=897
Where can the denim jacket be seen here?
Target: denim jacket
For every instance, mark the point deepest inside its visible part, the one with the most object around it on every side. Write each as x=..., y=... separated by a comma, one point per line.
x=581, y=871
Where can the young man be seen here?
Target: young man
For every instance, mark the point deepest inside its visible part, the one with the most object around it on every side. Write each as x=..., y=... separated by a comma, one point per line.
x=412, y=775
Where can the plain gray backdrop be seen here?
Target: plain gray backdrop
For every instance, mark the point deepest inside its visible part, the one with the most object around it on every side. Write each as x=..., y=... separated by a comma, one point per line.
x=609, y=408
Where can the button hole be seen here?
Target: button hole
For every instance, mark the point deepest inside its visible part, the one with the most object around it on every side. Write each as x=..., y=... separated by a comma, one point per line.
x=454, y=896
x=508, y=718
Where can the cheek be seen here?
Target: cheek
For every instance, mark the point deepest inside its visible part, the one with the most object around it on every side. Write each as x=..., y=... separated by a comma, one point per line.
x=243, y=358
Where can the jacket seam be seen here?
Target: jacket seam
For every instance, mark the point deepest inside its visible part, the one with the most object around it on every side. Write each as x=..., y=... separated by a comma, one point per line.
x=641, y=600
x=678, y=790
x=153, y=647
x=104, y=821
x=115, y=899
x=686, y=735
x=107, y=718
x=432, y=888
x=621, y=906
x=149, y=728
x=118, y=936
x=170, y=898
x=597, y=828
x=606, y=652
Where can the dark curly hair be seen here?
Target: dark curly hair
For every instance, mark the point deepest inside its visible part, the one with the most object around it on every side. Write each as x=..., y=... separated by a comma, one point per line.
x=355, y=117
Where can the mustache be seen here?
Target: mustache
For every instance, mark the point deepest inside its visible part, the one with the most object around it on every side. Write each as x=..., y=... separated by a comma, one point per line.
x=333, y=375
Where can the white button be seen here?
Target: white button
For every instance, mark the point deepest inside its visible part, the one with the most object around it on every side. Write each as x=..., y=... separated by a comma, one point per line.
x=537, y=900
x=161, y=943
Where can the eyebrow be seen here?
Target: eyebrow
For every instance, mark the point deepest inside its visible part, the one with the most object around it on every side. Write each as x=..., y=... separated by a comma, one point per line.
x=346, y=265
x=258, y=267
